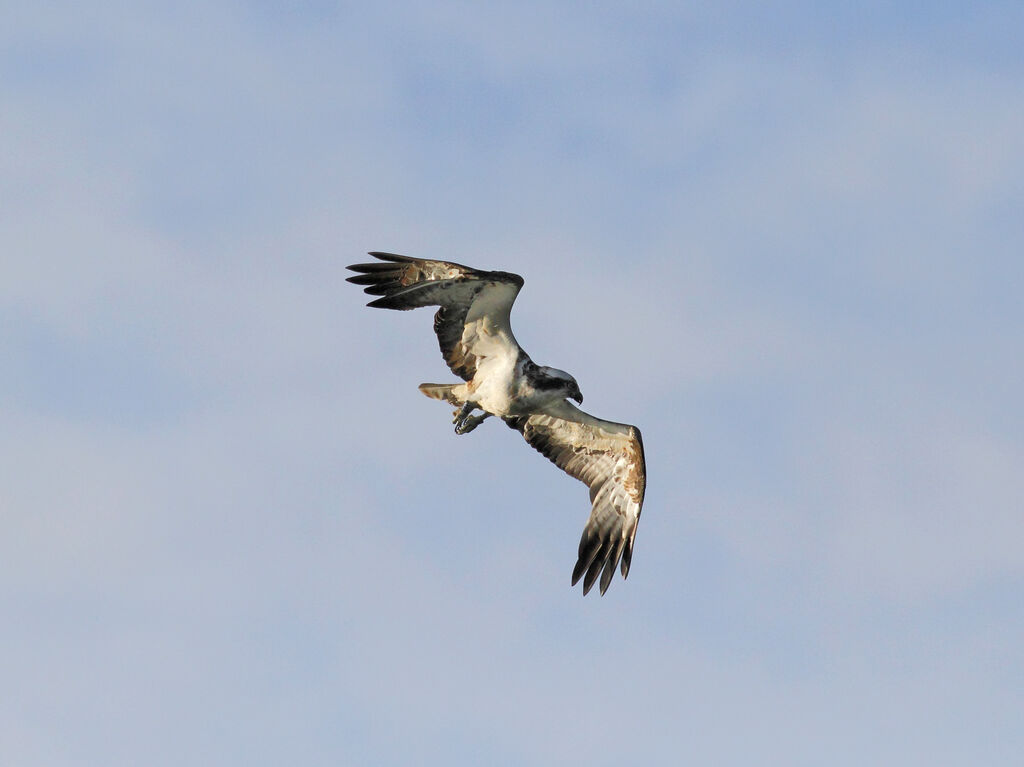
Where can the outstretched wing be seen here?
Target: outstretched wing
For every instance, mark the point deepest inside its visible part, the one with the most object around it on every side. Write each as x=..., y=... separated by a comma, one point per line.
x=473, y=320
x=608, y=457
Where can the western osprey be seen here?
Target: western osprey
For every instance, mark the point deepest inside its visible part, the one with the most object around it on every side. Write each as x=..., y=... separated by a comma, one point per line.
x=473, y=329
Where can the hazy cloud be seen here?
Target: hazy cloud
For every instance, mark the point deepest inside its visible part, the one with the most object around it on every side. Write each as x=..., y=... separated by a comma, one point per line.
x=786, y=245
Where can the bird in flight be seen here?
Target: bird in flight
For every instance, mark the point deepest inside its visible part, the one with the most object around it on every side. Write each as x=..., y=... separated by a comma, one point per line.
x=499, y=379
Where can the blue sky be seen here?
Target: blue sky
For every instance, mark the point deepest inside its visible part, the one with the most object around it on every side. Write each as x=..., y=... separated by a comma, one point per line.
x=786, y=242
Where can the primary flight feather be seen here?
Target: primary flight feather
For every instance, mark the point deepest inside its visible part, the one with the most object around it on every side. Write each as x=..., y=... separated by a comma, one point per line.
x=475, y=335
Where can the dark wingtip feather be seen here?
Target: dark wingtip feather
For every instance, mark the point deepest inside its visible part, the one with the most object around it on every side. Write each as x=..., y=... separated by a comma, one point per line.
x=365, y=279
x=601, y=556
x=600, y=560
x=606, y=575
x=373, y=268
x=609, y=566
x=377, y=282
x=390, y=257
x=382, y=289
x=398, y=302
x=627, y=557
x=591, y=576
x=589, y=546
x=577, y=572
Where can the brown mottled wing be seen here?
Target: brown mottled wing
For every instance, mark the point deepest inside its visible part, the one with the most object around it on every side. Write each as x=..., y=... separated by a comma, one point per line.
x=608, y=457
x=471, y=300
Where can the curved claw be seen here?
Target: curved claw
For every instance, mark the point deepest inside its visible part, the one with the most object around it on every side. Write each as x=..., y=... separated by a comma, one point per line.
x=464, y=421
x=467, y=425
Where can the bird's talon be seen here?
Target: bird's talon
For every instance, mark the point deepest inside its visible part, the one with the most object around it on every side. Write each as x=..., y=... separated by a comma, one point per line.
x=466, y=423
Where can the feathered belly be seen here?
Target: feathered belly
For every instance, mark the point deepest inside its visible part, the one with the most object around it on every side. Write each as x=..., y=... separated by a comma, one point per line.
x=494, y=387
x=508, y=395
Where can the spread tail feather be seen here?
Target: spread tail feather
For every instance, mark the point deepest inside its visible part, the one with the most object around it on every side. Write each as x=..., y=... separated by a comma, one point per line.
x=442, y=392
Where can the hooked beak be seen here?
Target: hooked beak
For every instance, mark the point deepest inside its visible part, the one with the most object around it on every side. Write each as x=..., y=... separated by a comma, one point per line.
x=576, y=395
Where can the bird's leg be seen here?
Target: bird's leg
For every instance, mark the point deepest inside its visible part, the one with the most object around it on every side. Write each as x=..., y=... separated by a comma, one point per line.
x=463, y=413
x=464, y=422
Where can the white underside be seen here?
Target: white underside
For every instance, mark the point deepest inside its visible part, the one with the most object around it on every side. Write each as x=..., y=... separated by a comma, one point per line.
x=496, y=386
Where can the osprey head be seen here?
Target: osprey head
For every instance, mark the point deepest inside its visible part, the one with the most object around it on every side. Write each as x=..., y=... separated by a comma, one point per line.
x=553, y=378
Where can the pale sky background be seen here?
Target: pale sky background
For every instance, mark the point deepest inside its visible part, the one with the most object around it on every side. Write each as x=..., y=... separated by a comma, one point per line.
x=786, y=240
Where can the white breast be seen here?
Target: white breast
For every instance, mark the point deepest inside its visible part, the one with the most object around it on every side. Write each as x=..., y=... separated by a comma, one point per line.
x=493, y=386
